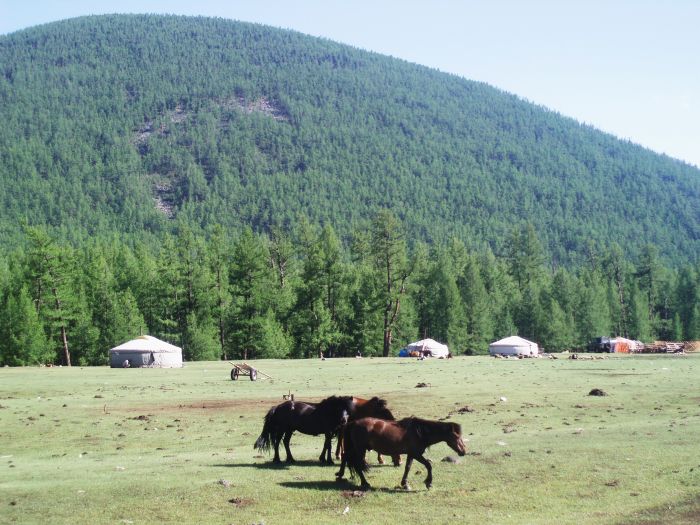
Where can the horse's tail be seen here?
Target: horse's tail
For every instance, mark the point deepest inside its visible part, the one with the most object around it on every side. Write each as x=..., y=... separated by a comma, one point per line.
x=264, y=442
x=354, y=451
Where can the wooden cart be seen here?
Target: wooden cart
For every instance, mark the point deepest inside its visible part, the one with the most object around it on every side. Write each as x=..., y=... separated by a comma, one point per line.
x=244, y=369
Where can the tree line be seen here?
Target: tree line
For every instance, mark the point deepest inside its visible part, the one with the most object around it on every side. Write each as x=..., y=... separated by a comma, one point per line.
x=305, y=292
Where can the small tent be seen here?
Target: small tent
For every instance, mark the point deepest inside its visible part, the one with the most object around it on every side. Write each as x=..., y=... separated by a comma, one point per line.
x=428, y=348
x=513, y=345
x=146, y=351
x=620, y=345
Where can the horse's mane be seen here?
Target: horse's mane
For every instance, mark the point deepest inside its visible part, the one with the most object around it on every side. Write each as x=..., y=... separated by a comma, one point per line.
x=334, y=403
x=381, y=403
x=376, y=407
x=425, y=427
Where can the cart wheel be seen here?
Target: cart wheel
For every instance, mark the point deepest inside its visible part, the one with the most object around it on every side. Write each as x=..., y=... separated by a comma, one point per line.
x=253, y=374
x=234, y=373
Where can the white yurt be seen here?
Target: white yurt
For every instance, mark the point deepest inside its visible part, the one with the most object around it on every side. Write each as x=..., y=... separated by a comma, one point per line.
x=146, y=351
x=513, y=345
x=429, y=348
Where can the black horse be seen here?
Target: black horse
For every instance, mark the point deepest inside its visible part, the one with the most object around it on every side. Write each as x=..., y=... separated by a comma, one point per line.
x=410, y=436
x=326, y=418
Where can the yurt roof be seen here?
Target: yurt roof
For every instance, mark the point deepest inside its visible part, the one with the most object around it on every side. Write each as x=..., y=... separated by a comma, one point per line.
x=513, y=340
x=427, y=343
x=147, y=343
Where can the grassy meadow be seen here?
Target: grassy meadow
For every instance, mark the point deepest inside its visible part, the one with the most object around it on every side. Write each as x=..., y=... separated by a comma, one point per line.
x=100, y=445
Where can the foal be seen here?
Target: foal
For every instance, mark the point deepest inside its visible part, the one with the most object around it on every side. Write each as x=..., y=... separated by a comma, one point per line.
x=410, y=436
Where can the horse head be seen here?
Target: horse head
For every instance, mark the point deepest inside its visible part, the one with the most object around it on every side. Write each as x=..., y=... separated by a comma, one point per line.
x=454, y=439
x=431, y=432
x=380, y=410
x=375, y=407
x=336, y=410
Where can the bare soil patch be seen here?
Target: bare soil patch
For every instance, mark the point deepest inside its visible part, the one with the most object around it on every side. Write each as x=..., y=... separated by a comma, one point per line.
x=207, y=405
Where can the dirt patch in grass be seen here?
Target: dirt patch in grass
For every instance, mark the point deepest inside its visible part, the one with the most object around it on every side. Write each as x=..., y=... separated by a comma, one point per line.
x=240, y=502
x=208, y=405
x=353, y=494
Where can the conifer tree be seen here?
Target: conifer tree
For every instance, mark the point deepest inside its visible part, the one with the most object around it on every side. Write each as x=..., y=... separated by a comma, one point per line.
x=364, y=326
x=251, y=282
x=219, y=264
x=170, y=292
x=23, y=339
x=315, y=312
x=525, y=256
x=592, y=318
x=478, y=317
x=51, y=285
x=388, y=247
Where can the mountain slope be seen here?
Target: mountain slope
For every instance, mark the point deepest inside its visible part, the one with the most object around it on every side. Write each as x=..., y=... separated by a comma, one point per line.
x=131, y=124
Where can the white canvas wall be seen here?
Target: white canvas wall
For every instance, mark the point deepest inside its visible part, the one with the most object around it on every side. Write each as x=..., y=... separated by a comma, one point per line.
x=513, y=345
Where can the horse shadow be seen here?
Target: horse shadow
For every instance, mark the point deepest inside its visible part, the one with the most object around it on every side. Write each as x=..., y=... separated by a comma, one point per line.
x=269, y=465
x=344, y=485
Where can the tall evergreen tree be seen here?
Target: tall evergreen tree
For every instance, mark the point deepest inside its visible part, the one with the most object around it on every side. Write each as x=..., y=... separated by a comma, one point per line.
x=617, y=272
x=170, y=291
x=51, y=280
x=219, y=264
x=390, y=257
x=687, y=296
x=443, y=315
x=251, y=282
x=478, y=317
x=525, y=256
x=23, y=341
x=593, y=318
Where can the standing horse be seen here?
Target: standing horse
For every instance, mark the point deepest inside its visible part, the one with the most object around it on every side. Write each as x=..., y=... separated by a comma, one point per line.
x=375, y=407
x=326, y=417
x=410, y=436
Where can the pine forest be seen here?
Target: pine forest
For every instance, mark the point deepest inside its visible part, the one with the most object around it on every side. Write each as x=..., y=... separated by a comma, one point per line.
x=248, y=192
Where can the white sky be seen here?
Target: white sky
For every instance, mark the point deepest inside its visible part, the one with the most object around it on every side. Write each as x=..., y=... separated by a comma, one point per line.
x=629, y=67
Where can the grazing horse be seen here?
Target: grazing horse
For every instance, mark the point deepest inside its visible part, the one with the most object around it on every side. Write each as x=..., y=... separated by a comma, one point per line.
x=325, y=417
x=375, y=407
x=410, y=436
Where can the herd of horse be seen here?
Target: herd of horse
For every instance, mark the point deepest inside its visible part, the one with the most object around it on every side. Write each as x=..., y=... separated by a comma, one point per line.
x=360, y=425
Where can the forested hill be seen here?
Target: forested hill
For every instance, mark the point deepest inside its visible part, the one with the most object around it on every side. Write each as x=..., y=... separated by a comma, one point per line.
x=133, y=124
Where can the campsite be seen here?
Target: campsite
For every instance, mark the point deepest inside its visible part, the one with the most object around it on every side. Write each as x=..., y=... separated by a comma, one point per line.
x=144, y=445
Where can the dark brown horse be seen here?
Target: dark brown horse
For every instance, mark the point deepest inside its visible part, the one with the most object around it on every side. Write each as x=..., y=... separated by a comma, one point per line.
x=375, y=407
x=410, y=436
x=281, y=421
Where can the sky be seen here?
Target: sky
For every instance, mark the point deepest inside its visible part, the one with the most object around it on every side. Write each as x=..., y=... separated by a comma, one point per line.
x=627, y=67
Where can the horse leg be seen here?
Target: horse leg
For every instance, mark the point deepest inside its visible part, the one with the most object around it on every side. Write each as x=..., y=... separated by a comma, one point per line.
x=326, y=453
x=426, y=463
x=329, y=458
x=404, y=482
x=380, y=459
x=339, y=475
x=322, y=457
x=396, y=460
x=276, y=442
x=286, y=440
x=364, y=485
x=339, y=445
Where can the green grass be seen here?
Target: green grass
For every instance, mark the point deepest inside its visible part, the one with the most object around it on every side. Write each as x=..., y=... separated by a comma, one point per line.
x=100, y=445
